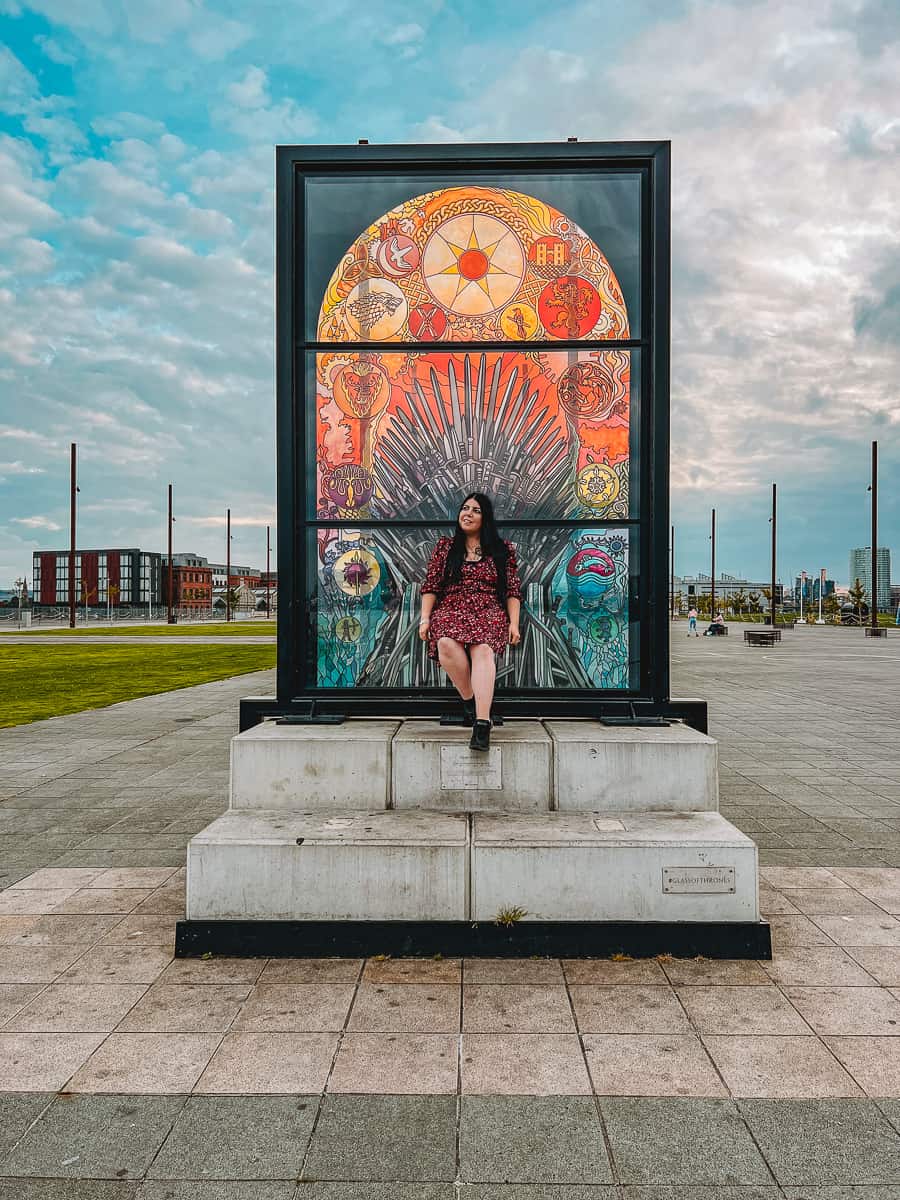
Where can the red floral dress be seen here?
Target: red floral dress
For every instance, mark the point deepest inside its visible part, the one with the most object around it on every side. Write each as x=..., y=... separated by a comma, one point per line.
x=469, y=611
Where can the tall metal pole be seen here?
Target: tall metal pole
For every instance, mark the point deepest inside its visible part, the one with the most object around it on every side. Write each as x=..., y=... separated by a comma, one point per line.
x=874, y=598
x=672, y=576
x=268, y=554
x=774, y=547
x=228, y=564
x=169, y=617
x=73, y=488
x=712, y=573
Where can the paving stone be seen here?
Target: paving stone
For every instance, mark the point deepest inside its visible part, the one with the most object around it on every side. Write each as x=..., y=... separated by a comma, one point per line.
x=781, y=1066
x=387, y=1138
x=847, y=1010
x=406, y=1007
x=270, y=1063
x=714, y=971
x=185, y=1008
x=76, y=1008
x=540, y=971
x=238, y=1137
x=14, y=997
x=825, y=1141
x=744, y=1010
x=145, y=1063
x=762, y=1192
x=651, y=1065
x=681, y=1141
x=524, y=1064
x=383, y=1191
x=95, y=1137
x=301, y=1008
x=874, y=1062
x=532, y=1139
x=516, y=1008
x=286, y=971
x=397, y=1063
x=627, y=1009
x=606, y=973
x=17, y=1112
x=817, y=967
x=41, y=1062
x=412, y=970
x=69, y=1189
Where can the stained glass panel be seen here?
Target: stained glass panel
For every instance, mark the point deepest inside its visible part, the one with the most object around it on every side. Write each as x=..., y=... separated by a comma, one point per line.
x=363, y=600
x=471, y=261
x=548, y=434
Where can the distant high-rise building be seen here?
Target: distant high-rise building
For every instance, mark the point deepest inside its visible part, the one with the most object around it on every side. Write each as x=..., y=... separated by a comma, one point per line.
x=861, y=569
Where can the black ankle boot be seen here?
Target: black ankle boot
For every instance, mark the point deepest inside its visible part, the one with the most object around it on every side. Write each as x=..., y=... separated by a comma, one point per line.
x=468, y=707
x=481, y=736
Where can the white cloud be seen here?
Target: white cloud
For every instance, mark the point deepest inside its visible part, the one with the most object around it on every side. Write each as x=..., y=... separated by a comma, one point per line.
x=36, y=523
x=20, y=468
x=54, y=51
x=127, y=124
x=250, y=112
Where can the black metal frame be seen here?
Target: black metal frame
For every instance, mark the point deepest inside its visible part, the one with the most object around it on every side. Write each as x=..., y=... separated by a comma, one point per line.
x=651, y=699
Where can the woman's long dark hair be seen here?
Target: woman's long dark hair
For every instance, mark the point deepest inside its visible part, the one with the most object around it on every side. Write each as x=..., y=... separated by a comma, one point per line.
x=492, y=546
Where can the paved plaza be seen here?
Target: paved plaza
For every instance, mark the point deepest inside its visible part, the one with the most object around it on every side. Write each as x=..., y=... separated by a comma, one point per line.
x=125, y=1075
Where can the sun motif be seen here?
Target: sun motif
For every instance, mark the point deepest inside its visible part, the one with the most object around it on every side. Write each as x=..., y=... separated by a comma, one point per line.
x=473, y=264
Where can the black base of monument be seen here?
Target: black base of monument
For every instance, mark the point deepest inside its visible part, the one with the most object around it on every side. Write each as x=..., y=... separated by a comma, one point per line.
x=464, y=939
x=305, y=710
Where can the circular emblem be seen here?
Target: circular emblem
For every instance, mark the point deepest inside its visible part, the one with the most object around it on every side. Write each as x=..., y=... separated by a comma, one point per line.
x=597, y=486
x=347, y=629
x=473, y=264
x=376, y=309
x=348, y=485
x=362, y=389
x=586, y=391
x=590, y=573
x=357, y=572
x=519, y=322
x=569, y=307
x=549, y=256
x=397, y=255
x=427, y=323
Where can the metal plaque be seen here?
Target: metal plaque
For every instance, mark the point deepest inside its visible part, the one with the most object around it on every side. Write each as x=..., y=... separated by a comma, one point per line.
x=465, y=770
x=608, y=825
x=697, y=880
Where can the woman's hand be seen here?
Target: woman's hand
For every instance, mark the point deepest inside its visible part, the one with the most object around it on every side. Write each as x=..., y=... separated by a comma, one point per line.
x=514, y=636
x=424, y=625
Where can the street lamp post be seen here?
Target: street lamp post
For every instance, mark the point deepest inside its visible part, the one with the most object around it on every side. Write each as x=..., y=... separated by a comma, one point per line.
x=873, y=608
x=170, y=619
x=820, y=620
x=72, y=490
x=712, y=573
x=268, y=583
x=672, y=577
x=774, y=548
x=228, y=564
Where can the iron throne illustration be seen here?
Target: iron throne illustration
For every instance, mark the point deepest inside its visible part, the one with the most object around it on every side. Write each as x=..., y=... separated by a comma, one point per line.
x=403, y=437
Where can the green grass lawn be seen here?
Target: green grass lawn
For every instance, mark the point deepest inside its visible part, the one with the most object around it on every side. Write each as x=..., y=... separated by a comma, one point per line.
x=49, y=681
x=188, y=629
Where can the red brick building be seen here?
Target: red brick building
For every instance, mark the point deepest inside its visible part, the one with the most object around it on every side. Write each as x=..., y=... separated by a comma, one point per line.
x=192, y=583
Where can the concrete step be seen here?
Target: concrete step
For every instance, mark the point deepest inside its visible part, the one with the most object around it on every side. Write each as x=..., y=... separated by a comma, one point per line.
x=337, y=866
x=298, y=767
x=433, y=768
x=431, y=866
x=647, y=768
x=531, y=767
x=652, y=866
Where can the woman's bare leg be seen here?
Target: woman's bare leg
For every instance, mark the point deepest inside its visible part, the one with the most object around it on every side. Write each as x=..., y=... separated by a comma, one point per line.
x=484, y=672
x=453, y=658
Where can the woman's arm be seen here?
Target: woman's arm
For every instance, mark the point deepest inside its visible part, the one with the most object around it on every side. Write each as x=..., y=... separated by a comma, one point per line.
x=513, y=608
x=433, y=580
x=514, y=594
x=428, y=600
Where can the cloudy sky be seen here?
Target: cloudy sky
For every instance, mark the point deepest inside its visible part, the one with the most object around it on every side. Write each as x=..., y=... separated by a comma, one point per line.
x=136, y=254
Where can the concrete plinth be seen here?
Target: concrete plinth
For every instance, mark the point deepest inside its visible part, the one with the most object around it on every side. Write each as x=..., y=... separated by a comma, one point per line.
x=614, y=867
x=341, y=866
x=645, y=769
x=298, y=767
x=434, y=768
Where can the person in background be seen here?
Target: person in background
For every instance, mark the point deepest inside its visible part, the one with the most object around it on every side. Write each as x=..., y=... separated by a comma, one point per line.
x=692, y=623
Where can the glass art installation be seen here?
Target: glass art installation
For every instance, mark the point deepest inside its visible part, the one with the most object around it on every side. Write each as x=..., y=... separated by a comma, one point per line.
x=542, y=422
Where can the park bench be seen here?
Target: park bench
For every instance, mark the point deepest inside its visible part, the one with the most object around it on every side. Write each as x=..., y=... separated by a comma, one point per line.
x=762, y=637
